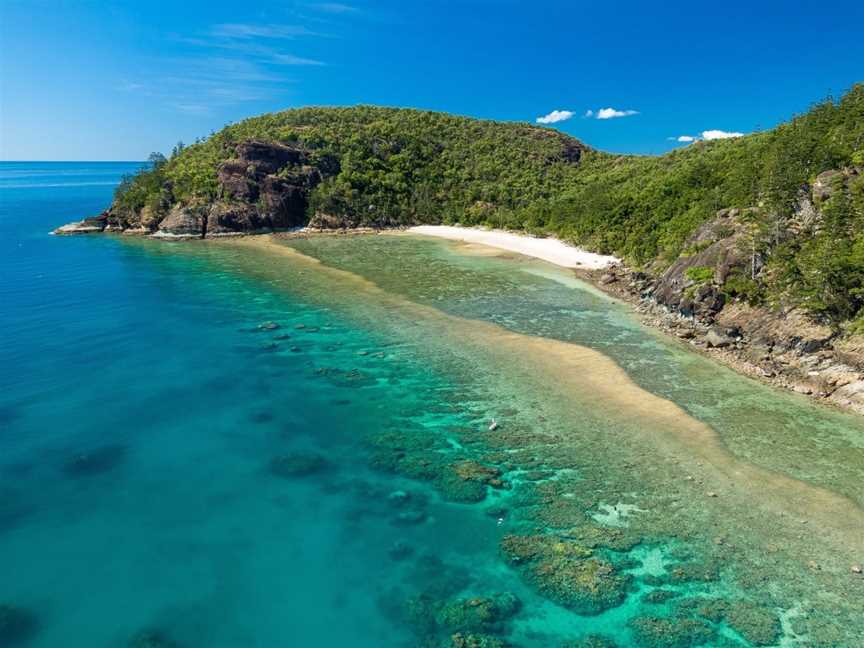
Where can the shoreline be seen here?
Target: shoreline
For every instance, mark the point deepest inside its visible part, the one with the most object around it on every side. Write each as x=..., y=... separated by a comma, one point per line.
x=828, y=376
x=837, y=386
x=549, y=249
x=837, y=389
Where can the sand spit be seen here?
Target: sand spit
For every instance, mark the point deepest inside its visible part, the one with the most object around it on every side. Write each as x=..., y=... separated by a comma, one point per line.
x=593, y=380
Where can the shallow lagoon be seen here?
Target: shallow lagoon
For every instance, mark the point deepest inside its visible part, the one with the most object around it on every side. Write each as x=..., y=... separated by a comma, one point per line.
x=144, y=407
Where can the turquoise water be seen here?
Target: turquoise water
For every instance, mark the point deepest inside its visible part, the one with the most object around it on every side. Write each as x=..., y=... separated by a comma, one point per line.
x=226, y=449
x=155, y=371
x=770, y=427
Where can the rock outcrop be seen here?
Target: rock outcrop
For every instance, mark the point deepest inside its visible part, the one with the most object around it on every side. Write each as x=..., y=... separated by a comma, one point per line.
x=265, y=187
x=694, y=299
x=91, y=225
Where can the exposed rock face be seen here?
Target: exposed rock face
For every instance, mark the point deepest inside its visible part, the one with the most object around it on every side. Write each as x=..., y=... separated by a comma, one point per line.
x=268, y=157
x=283, y=202
x=227, y=218
x=717, y=245
x=265, y=187
x=783, y=345
x=234, y=183
x=184, y=222
x=324, y=221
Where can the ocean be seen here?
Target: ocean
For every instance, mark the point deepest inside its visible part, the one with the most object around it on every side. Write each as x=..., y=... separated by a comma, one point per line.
x=287, y=443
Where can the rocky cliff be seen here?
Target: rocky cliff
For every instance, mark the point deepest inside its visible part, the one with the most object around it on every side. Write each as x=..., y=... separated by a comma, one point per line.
x=696, y=299
x=265, y=187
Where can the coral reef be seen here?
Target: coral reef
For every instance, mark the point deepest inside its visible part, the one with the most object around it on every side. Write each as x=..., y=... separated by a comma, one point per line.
x=298, y=464
x=657, y=632
x=591, y=641
x=567, y=573
x=479, y=613
x=659, y=596
x=460, y=640
x=758, y=625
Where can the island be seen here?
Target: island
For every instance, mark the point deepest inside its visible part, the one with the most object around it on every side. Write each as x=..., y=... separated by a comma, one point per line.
x=750, y=248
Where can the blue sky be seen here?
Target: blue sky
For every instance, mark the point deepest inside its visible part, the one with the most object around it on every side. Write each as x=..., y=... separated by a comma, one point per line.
x=92, y=80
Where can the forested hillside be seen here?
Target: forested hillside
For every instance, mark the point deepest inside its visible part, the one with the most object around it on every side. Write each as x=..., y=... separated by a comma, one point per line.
x=803, y=232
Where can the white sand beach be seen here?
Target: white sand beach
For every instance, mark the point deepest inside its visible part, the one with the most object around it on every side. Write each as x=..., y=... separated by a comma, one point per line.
x=547, y=249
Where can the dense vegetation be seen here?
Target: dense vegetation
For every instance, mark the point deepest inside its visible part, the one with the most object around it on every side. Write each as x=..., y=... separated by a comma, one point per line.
x=403, y=166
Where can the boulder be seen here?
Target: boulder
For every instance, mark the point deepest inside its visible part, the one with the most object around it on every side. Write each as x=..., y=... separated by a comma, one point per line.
x=717, y=338
x=325, y=221
x=227, y=218
x=850, y=396
x=183, y=221
x=823, y=186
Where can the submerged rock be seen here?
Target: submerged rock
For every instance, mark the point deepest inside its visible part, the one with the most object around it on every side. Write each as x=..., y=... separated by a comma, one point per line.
x=658, y=632
x=151, y=639
x=467, y=481
x=95, y=461
x=14, y=509
x=659, y=596
x=298, y=464
x=17, y=625
x=757, y=624
x=479, y=613
x=436, y=578
x=400, y=550
x=460, y=640
x=587, y=586
x=592, y=641
x=407, y=518
x=567, y=573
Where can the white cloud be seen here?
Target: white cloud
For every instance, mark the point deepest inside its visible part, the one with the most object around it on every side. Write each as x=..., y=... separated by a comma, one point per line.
x=685, y=138
x=246, y=30
x=610, y=113
x=191, y=108
x=555, y=116
x=719, y=134
x=335, y=7
x=290, y=59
